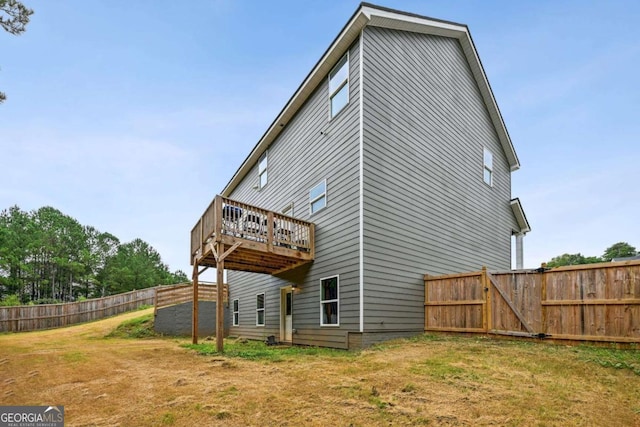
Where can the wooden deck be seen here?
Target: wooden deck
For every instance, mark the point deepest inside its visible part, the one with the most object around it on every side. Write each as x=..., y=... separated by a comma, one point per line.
x=257, y=240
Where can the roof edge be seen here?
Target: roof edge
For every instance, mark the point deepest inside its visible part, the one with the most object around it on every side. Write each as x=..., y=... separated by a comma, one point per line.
x=370, y=14
x=521, y=217
x=357, y=21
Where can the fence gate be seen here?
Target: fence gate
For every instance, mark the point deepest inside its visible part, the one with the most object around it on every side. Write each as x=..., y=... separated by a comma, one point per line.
x=480, y=302
x=513, y=305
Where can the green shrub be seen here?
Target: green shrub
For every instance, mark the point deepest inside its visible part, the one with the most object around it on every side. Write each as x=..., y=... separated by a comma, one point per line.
x=10, y=300
x=140, y=327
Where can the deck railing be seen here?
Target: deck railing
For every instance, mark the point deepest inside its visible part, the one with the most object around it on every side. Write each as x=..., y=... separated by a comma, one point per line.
x=241, y=220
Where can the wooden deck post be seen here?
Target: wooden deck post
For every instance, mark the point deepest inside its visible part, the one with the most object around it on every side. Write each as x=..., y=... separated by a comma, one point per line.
x=312, y=240
x=220, y=298
x=201, y=246
x=217, y=218
x=194, y=320
x=270, y=231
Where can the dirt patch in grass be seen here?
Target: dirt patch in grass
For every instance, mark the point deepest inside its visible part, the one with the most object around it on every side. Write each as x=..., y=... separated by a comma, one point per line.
x=431, y=380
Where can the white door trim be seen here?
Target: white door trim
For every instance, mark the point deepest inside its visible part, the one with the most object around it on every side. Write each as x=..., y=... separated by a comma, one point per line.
x=286, y=336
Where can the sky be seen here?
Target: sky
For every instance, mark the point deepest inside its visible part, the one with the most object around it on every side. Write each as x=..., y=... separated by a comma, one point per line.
x=131, y=116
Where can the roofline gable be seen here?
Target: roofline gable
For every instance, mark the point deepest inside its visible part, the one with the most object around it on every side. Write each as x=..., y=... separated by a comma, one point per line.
x=369, y=14
x=521, y=218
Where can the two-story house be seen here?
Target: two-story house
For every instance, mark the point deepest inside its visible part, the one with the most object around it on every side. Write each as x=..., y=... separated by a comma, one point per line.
x=394, y=158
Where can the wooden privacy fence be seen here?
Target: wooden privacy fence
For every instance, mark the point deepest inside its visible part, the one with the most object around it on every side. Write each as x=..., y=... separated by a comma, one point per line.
x=33, y=317
x=166, y=296
x=595, y=302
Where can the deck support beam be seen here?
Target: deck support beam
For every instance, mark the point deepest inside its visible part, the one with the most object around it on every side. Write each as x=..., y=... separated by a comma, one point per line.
x=194, y=320
x=220, y=256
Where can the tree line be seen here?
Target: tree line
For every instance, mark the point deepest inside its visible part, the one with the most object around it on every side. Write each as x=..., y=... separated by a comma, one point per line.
x=617, y=250
x=48, y=257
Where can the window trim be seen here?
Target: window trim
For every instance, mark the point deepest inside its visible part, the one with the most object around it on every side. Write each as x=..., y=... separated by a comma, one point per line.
x=487, y=168
x=235, y=308
x=263, y=309
x=264, y=157
x=315, y=199
x=288, y=210
x=337, y=301
x=340, y=86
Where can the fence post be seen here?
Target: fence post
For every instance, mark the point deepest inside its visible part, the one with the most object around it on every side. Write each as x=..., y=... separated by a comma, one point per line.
x=487, y=322
x=155, y=301
x=543, y=297
x=426, y=301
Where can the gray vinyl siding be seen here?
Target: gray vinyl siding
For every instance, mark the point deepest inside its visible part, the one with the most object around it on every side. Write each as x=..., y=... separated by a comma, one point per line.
x=254, y=284
x=426, y=206
x=298, y=160
x=176, y=320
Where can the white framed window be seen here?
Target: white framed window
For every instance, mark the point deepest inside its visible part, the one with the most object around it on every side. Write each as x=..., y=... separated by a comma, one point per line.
x=288, y=210
x=262, y=170
x=236, y=312
x=318, y=197
x=260, y=309
x=488, y=167
x=329, y=301
x=339, y=86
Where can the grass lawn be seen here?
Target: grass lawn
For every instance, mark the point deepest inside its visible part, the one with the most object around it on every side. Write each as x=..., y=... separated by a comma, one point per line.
x=117, y=372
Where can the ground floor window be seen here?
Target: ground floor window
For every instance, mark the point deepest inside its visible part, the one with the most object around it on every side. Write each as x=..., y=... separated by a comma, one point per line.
x=260, y=309
x=329, y=302
x=236, y=312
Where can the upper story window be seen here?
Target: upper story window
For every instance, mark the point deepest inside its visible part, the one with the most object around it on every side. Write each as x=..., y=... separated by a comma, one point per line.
x=318, y=197
x=488, y=167
x=329, y=302
x=339, y=85
x=288, y=210
x=262, y=169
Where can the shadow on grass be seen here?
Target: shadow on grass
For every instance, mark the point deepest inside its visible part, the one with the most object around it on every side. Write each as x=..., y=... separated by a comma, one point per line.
x=257, y=350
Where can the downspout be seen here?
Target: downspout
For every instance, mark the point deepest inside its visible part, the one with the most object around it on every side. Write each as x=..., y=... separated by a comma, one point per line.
x=519, y=251
x=361, y=181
